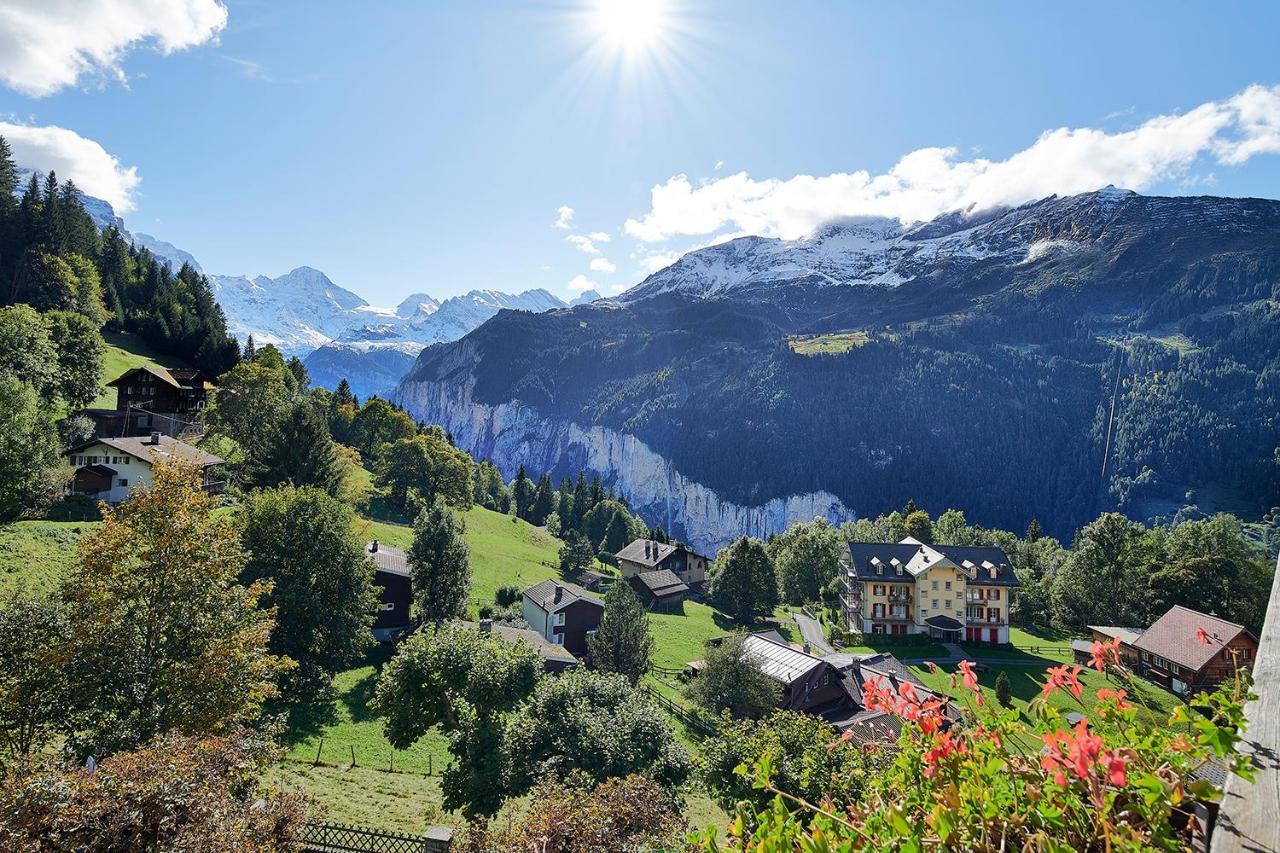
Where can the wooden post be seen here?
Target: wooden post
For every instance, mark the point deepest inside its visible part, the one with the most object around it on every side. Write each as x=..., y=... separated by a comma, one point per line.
x=319, y=747
x=429, y=770
x=353, y=754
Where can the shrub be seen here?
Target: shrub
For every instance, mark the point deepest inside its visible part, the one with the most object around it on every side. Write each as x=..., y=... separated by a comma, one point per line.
x=1004, y=693
x=1114, y=781
x=507, y=595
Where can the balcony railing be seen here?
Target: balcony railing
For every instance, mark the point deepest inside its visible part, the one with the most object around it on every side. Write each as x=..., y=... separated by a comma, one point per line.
x=1247, y=820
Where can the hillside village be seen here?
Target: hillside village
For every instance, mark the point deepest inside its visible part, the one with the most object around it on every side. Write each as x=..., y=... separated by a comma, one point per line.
x=561, y=582
x=927, y=509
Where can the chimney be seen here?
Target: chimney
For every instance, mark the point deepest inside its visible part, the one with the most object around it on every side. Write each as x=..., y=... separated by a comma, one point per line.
x=373, y=547
x=155, y=437
x=648, y=546
x=807, y=649
x=559, y=594
x=486, y=625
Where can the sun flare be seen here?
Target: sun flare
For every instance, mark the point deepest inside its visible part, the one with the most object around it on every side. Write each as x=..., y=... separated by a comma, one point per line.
x=631, y=25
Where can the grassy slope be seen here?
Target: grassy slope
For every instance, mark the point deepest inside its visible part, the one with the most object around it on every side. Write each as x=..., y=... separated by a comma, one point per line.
x=36, y=555
x=125, y=352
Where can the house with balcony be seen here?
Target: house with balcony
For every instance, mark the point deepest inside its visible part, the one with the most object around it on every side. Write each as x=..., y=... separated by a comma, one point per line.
x=952, y=593
x=109, y=469
x=150, y=399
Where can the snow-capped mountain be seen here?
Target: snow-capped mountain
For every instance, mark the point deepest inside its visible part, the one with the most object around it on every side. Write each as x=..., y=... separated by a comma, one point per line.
x=876, y=252
x=297, y=312
x=166, y=251
x=585, y=297
x=373, y=354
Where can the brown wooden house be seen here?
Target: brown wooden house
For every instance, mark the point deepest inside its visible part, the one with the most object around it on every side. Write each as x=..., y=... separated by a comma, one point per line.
x=395, y=591
x=660, y=589
x=150, y=399
x=1175, y=654
x=648, y=555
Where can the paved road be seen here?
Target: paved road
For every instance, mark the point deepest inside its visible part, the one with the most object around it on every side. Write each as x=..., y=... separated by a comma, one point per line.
x=811, y=630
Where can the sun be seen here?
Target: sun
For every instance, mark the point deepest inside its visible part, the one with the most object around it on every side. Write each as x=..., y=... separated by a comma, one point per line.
x=631, y=25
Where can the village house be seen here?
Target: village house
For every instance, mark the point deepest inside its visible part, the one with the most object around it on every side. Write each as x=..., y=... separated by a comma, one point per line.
x=562, y=614
x=395, y=591
x=1175, y=654
x=808, y=683
x=953, y=593
x=555, y=658
x=108, y=469
x=647, y=555
x=659, y=590
x=1129, y=655
x=154, y=399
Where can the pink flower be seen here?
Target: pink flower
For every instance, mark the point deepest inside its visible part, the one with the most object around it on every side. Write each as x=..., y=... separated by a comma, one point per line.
x=970, y=677
x=1116, y=765
x=1202, y=636
x=1101, y=654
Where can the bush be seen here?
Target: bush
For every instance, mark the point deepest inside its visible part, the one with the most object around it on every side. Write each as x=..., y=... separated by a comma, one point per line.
x=1117, y=780
x=486, y=611
x=507, y=595
x=74, y=508
x=1004, y=693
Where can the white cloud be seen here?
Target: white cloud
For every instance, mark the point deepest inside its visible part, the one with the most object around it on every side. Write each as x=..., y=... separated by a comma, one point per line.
x=581, y=282
x=930, y=181
x=585, y=243
x=47, y=45
x=719, y=165
x=73, y=157
x=598, y=237
x=603, y=265
x=654, y=261
x=564, y=218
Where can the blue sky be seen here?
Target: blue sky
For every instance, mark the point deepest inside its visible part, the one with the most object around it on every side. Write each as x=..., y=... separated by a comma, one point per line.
x=413, y=146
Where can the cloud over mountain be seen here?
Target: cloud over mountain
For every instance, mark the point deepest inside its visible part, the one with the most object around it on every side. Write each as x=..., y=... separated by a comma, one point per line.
x=72, y=156
x=931, y=181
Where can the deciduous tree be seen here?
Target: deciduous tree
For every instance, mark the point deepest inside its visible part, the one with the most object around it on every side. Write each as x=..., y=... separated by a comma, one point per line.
x=731, y=681
x=743, y=582
x=622, y=643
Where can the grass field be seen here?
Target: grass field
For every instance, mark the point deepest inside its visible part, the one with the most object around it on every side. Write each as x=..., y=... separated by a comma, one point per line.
x=828, y=344
x=36, y=555
x=124, y=352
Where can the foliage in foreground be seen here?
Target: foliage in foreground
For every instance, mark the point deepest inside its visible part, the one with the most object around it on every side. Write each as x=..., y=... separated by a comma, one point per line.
x=617, y=816
x=176, y=793
x=806, y=763
x=1112, y=782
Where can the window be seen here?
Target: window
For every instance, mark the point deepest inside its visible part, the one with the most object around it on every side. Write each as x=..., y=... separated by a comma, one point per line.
x=558, y=639
x=122, y=482
x=935, y=604
x=948, y=585
x=995, y=595
x=559, y=620
x=877, y=589
x=935, y=584
x=388, y=606
x=877, y=629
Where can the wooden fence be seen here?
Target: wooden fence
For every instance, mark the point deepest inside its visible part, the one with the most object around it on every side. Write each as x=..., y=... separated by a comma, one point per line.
x=317, y=837
x=689, y=718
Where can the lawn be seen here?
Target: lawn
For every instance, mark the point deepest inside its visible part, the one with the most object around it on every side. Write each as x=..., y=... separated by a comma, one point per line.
x=902, y=651
x=1025, y=683
x=37, y=555
x=504, y=550
x=829, y=344
x=1047, y=644
x=123, y=352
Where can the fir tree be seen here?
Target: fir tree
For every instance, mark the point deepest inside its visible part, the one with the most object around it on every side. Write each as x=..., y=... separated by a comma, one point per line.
x=249, y=351
x=522, y=494
x=543, y=501
x=622, y=643
x=299, y=451
x=1033, y=531
x=342, y=395
x=579, y=501
x=440, y=562
x=1004, y=692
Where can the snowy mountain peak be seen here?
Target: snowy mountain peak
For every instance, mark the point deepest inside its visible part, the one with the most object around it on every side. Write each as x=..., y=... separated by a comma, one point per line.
x=585, y=297
x=417, y=303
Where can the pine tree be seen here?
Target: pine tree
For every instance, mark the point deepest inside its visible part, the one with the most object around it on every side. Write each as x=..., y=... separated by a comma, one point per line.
x=1033, y=531
x=579, y=501
x=617, y=534
x=1004, y=692
x=298, y=451
x=543, y=501
x=522, y=494
x=342, y=394
x=249, y=350
x=440, y=562
x=300, y=374
x=622, y=643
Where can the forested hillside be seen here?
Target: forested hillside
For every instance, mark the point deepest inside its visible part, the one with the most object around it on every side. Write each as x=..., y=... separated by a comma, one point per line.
x=1105, y=351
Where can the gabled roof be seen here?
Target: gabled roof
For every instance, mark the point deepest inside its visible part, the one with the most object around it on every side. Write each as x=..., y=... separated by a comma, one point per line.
x=1128, y=636
x=546, y=650
x=154, y=369
x=100, y=470
x=778, y=661
x=975, y=561
x=656, y=552
x=393, y=561
x=544, y=595
x=178, y=377
x=662, y=582
x=1173, y=637
x=140, y=447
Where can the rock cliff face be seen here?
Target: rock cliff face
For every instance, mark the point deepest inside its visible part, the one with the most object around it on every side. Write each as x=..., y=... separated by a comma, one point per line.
x=512, y=434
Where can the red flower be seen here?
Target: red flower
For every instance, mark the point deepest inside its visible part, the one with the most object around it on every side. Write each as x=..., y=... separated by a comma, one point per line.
x=1064, y=676
x=1107, y=695
x=1100, y=654
x=1116, y=767
x=970, y=677
x=1202, y=636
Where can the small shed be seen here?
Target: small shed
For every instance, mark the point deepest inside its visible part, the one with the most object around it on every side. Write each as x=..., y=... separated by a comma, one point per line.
x=660, y=589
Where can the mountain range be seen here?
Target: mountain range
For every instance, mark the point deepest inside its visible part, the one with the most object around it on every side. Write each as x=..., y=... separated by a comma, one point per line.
x=1049, y=361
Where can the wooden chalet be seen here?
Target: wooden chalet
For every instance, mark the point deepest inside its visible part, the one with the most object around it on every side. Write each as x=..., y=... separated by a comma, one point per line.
x=150, y=399
x=395, y=591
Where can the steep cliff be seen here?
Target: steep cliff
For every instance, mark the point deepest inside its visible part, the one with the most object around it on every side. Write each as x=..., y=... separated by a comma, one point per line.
x=512, y=434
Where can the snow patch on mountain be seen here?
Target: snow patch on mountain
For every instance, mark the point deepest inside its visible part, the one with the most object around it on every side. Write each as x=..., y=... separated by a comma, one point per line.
x=296, y=312
x=166, y=251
